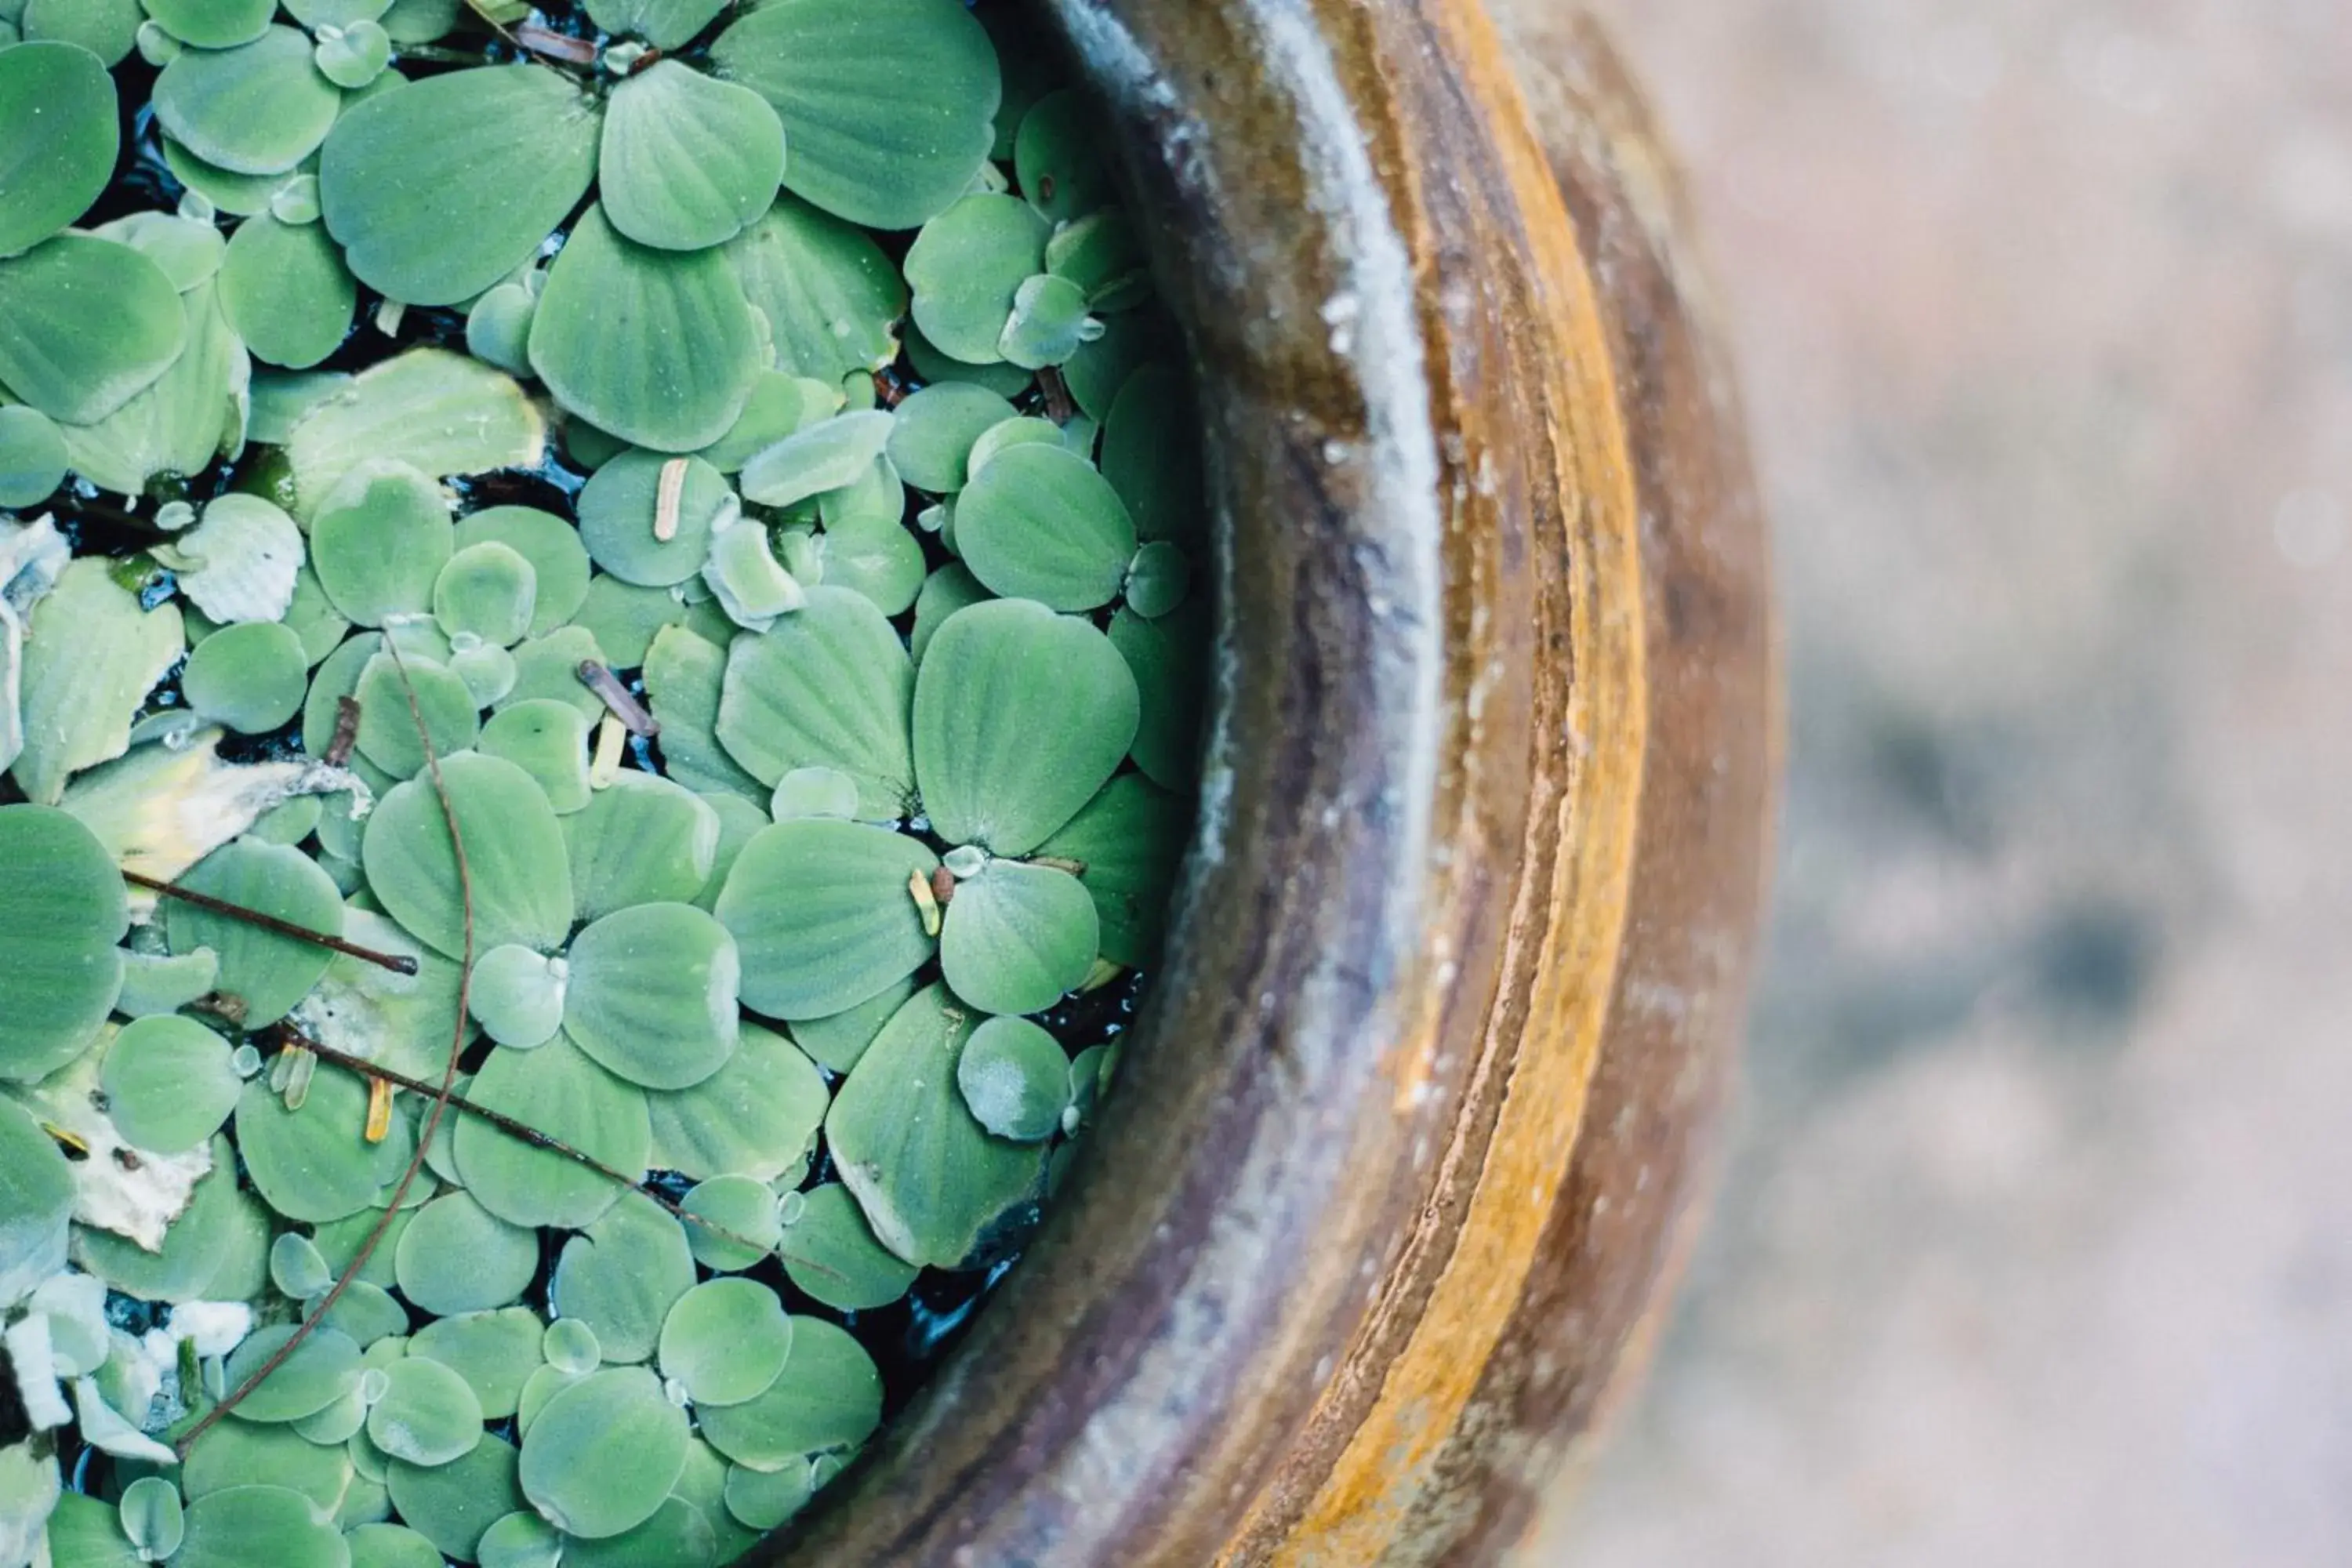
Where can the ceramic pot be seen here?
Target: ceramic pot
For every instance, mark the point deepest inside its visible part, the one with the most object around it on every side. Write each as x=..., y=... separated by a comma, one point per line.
x=1405, y=1147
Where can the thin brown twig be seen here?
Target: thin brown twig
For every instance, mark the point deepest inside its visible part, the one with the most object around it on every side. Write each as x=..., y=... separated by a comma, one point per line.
x=399, y=963
x=367, y=1248
x=347, y=731
x=618, y=699
x=523, y=1130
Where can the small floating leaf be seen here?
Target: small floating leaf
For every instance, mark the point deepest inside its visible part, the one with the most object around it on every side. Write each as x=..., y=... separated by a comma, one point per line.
x=157, y=983
x=755, y=1117
x=61, y=912
x=33, y=457
x=451, y=1505
x=839, y=1040
x=1167, y=657
x=664, y=23
x=548, y=669
x=85, y=325
x=169, y=1085
x=965, y=267
x=1049, y=323
x=354, y=55
x=257, y=109
x=487, y=591
x=559, y=1090
x=1151, y=454
x=244, y=1525
x=817, y=457
x=1017, y=937
x=828, y=687
x=252, y=562
x=1157, y=580
x=829, y=1399
x=937, y=1189
x=59, y=139
x=559, y=561
x=950, y=588
x=1058, y=159
x=183, y=421
x=888, y=106
x=314, y=1376
x=268, y=972
x=514, y=852
x=285, y=289
x=313, y=1163
x=651, y=995
x=380, y=541
x=658, y=347
x=931, y=434
x=622, y=1276
x=549, y=741
x=440, y=190
x=518, y=995
x=726, y=1341
x=440, y=413
x=830, y=1251
x=212, y=23
x=687, y=161
x=250, y=677
x=495, y=1353
x=644, y=840
x=151, y=1517
x=520, y=1541
x=622, y=517
x=684, y=675
x=388, y=733
x=1040, y=523
x=830, y=294
x=735, y=1206
x=1015, y=1079
x=1130, y=839
x=603, y=1456
x=427, y=1414
x=820, y=913
x=235, y=1453
x=457, y=1256
x=1020, y=716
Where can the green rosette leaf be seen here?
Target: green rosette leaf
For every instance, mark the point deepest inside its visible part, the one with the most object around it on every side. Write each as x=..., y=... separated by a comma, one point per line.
x=829, y=687
x=514, y=853
x=58, y=140
x=689, y=161
x=936, y=1187
x=85, y=326
x=823, y=915
x=651, y=995
x=1021, y=715
x=1017, y=937
x=657, y=347
x=441, y=189
x=889, y=106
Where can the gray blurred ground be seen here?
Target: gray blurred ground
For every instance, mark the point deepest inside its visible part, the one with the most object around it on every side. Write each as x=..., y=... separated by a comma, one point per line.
x=2036, y=1243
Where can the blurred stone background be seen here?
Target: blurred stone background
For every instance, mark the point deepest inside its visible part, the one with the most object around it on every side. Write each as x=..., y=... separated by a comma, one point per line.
x=2035, y=1244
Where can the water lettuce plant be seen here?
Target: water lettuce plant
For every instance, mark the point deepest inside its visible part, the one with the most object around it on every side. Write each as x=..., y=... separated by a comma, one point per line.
x=601, y=655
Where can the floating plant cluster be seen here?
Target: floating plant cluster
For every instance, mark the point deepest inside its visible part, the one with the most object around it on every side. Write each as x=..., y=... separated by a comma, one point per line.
x=599, y=688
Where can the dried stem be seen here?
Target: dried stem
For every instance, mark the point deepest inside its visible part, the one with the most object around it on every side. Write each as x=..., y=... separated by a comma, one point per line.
x=618, y=699
x=375, y=1235
x=521, y=1131
x=399, y=963
x=347, y=731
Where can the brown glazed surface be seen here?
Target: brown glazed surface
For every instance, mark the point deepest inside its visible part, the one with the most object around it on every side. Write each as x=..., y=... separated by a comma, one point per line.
x=1404, y=1146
